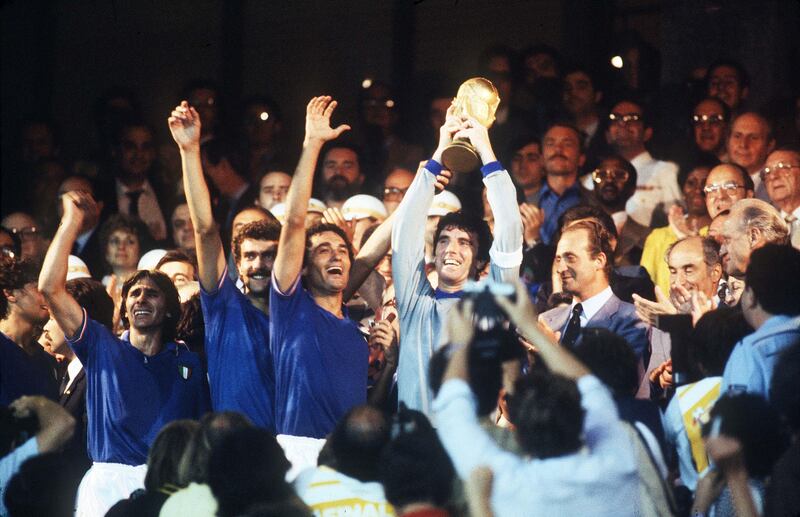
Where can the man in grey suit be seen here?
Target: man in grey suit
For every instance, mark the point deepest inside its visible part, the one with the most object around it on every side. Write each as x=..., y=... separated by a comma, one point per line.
x=583, y=263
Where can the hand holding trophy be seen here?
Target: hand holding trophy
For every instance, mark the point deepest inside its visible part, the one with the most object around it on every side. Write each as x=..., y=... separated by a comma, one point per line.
x=477, y=99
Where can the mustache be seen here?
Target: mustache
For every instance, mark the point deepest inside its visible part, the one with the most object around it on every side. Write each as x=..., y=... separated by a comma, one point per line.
x=259, y=271
x=557, y=156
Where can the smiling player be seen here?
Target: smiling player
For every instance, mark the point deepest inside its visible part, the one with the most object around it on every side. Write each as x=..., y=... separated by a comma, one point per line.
x=320, y=356
x=240, y=369
x=135, y=384
x=461, y=245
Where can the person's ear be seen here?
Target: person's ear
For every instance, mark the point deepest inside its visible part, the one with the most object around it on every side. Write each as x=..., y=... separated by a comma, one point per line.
x=648, y=134
x=9, y=296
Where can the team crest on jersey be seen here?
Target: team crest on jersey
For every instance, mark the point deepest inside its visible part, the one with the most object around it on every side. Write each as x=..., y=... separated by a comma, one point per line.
x=185, y=372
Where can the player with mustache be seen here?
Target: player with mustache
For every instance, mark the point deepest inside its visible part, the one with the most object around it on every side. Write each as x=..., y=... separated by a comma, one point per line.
x=240, y=368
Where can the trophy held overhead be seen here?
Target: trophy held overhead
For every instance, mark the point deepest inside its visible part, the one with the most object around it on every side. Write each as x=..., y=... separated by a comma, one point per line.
x=476, y=98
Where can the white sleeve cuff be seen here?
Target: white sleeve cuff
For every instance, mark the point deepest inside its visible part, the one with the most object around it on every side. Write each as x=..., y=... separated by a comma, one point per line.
x=506, y=259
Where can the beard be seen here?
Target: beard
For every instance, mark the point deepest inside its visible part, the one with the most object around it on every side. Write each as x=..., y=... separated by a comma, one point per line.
x=339, y=188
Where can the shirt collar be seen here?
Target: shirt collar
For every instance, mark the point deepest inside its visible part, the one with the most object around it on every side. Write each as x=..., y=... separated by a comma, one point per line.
x=547, y=191
x=74, y=367
x=443, y=295
x=795, y=213
x=593, y=304
x=122, y=189
x=641, y=159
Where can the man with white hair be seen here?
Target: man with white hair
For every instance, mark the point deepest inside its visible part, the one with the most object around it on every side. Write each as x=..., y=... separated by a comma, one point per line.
x=781, y=176
x=752, y=224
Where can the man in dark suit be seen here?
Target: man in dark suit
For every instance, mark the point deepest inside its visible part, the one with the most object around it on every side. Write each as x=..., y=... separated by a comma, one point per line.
x=584, y=263
x=91, y=295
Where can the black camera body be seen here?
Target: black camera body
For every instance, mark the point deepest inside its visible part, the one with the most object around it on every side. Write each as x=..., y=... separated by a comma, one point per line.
x=495, y=341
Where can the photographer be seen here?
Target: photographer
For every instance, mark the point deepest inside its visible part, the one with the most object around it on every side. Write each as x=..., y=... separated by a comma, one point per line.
x=55, y=428
x=552, y=412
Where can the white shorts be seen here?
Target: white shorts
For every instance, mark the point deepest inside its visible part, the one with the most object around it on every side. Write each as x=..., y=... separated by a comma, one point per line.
x=105, y=484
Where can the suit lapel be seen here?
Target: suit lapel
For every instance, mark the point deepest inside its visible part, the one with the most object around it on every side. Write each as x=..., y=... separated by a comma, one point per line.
x=607, y=311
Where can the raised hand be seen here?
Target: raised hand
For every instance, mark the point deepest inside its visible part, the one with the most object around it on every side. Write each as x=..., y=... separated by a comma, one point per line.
x=334, y=216
x=678, y=223
x=184, y=124
x=648, y=310
x=383, y=335
x=662, y=374
x=478, y=136
x=78, y=207
x=442, y=179
x=701, y=304
x=452, y=124
x=532, y=219
x=318, y=121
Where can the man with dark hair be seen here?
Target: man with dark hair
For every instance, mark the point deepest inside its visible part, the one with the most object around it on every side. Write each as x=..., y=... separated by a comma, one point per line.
x=24, y=368
x=236, y=323
x=562, y=147
x=527, y=167
x=771, y=306
x=416, y=471
x=124, y=376
x=139, y=192
x=728, y=81
x=459, y=255
x=579, y=459
x=657, y=181
x=226, y=174
x=615, y=182
x=710, y=119
x=581, y=98
x=320, y=356
x=248, y=467
x=583, y=263
x=349, y=477
x=749, y=143
x=341, y=174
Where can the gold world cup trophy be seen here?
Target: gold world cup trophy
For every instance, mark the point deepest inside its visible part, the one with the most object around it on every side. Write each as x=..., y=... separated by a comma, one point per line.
x=476, y=98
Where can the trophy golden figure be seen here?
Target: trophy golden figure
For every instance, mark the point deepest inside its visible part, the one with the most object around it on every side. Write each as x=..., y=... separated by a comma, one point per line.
x=476, y=98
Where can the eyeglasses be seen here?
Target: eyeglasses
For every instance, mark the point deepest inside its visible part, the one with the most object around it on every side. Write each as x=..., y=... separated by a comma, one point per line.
x=394, y=191
x=8, y=251
x=600, y=175
x=27, y=232
x=729, y=189
x=708, y=119
x=779, y=169
x=378, y=103
x=628, y=118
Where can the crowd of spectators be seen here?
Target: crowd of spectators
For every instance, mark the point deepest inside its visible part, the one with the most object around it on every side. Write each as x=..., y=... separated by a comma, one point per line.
x=609, y=326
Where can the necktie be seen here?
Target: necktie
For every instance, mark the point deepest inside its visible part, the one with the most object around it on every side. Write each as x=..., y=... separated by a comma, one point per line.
x=134, y=195
x=64, y=383
x=794, y=230
x=573, y=329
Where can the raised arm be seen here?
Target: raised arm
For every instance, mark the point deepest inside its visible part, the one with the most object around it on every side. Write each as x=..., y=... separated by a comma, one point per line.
x=506, y=250
x=291, y=247
x=522, y=314
x=376, y=247
x=408, y=231
x=53, y=276
x=184, y=124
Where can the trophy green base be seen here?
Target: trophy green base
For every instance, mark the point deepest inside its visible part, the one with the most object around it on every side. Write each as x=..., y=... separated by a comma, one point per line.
x=460, y=156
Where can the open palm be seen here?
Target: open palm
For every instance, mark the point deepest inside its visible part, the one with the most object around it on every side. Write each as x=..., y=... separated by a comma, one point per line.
x=184, y=124
x=318, y=120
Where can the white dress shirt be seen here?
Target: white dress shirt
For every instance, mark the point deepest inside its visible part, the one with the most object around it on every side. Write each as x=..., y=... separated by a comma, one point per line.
x=149, y=211
x=794, y=226
x=656, y=187
x=592, y=304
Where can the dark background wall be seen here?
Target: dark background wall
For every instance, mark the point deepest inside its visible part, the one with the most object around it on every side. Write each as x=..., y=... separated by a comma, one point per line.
x=59, y=55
